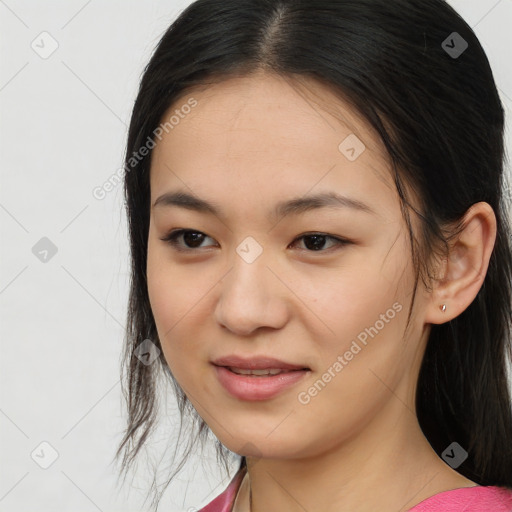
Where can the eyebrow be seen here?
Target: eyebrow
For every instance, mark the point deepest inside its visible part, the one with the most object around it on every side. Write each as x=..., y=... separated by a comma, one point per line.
x=292, y=206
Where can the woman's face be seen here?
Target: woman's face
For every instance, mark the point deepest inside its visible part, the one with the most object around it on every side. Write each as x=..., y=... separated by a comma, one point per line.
x=252, y=281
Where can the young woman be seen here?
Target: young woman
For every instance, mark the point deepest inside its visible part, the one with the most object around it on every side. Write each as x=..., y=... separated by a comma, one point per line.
x=321, y=254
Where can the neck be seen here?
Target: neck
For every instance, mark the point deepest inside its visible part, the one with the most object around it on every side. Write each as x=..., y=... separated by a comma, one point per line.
x=388, y=465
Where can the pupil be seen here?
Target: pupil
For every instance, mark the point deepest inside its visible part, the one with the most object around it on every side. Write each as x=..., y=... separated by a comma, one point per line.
x=190, y=238
x=319, y=241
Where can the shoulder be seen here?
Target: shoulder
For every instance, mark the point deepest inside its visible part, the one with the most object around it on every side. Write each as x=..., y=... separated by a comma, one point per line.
x=224, y=502
x=468, y=499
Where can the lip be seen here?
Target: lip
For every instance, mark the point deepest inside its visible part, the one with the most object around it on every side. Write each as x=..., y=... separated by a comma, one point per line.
x=246, y=387
x=257, y=363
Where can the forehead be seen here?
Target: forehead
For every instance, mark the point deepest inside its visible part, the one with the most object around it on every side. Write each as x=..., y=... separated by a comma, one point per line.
x=265, y=134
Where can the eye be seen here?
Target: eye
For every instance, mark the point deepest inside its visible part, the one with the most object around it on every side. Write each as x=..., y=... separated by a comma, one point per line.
x=194, y=238
x=314, y=242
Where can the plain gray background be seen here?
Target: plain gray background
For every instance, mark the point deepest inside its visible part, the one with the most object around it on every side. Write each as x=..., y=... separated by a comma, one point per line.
x=63, y=125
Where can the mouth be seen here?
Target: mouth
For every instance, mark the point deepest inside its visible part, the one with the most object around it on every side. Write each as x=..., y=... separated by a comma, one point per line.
x=257, y=384
x=262, y=372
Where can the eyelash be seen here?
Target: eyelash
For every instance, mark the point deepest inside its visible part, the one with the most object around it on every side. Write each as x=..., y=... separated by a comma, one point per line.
x=171, y=239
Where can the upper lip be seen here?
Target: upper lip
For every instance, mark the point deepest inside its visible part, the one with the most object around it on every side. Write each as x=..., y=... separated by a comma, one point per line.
x=257, y=363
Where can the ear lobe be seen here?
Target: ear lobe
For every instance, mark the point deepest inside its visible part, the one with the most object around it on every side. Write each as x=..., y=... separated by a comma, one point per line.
x=463, y=271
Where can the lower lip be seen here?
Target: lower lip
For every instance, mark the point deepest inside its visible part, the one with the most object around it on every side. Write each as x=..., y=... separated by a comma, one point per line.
x=247, y=387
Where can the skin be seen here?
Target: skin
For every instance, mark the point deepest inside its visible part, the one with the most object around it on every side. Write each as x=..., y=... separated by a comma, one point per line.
x=249, y=143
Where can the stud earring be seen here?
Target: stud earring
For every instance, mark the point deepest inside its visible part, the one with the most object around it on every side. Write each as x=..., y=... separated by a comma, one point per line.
x=443, y=307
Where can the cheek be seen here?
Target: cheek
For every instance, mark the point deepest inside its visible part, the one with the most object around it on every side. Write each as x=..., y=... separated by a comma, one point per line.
x=357, y=367
x=178, y=298
x=365, y=310
x=364, y=298
x=162, y=287
x=366, y=329
x=167, y=293
x=172, y=288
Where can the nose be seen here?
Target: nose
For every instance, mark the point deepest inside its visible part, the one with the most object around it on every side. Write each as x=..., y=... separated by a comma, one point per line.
x=252, y=296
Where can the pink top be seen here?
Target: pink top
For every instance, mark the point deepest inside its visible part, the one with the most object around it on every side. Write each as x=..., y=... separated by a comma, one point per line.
x=466, y=499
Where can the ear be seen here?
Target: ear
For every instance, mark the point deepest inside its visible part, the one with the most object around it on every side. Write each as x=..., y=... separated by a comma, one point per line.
x=462, y=272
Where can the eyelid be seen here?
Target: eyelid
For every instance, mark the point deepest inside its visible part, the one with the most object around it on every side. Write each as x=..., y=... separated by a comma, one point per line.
x=171, y=237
